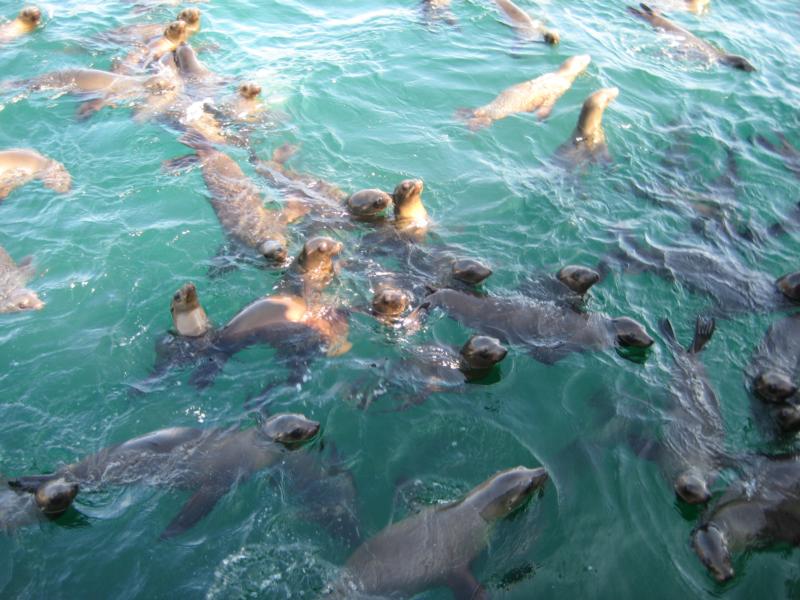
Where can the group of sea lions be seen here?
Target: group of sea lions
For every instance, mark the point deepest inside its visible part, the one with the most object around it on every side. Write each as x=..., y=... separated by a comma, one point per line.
x=161, y=78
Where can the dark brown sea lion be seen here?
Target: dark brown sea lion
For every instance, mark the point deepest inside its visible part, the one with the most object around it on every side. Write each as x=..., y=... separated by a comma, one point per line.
x=21, y=165
x=755, y=512
x=436, y=546
x=547, y=330
x=774, y=373
x=588, y=142
x=19, y=509
x=14, y=296
x=470, y=271
x=209, y=462
x=690, y=41
x=27, y=20
x=526, y=27
x=537, y=95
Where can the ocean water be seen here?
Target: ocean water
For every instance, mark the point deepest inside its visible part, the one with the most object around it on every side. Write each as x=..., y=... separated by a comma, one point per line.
x=369, y=91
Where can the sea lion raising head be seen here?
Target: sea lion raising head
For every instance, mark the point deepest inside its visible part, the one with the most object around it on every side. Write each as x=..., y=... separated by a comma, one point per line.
x=480, y=354
x=316, y=257
x=408, y=207
x=249, y=90
x=188, y=316
x=175, y=32
x=290, y=429
x=55, y=496
x=506, y=492
x=190, y=16
x=789, y=285
x=31, y=16
x=578, y=278
x=389, y=302
x=367, y=204
x=467, y=270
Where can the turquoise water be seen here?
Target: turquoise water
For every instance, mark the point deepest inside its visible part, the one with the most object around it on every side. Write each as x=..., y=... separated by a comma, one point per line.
x=369, y=93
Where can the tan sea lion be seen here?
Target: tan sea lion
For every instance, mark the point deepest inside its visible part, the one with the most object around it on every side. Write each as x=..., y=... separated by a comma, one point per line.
x=139, y=59
x=209, y=462
x=21, y=165
x=690, y=41
x=247, y=105
x=145, y=33
x=410, y=216
x=537, y=95
x=27, y=20
x=389, y=304
x=588, y=142
x=313, y=269
x=527, y=28
x=436, y=546
x=14, y=296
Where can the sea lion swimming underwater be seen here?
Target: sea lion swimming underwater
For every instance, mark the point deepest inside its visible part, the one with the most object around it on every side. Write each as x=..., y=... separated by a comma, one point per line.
x=774, y=373
x=28, y=19
x=209, y=462
x=588, y=141
x=527, y=28
x=537, y=95
x=14, y=296
x=19, y=509
x=435, y=547
x=755, y=512
x=548, y=331
x=21, y=165
x=690, y=41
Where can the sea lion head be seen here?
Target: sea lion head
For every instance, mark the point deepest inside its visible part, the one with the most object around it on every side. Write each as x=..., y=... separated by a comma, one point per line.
x=390, y=302
x=289, y=429
x=774, y=387
x=188, y=316
x=176, y=32
x=406, y=198
x=467, y=270
x=506, y=492
x=789, y=285
x=30, y=15
x=249, y=90
x=274, y=250
x=630, y=336
x=577, y=278
x=711, y=546
x=317, y=254
x=737, y=62
x=788, y=418
x=575, y=65
x=54, y=497
x=552, y=37
x=692, y=488
x=21, y=299
x=190, y=16
x=482, y=352
x=591, y=117
x=368, y=203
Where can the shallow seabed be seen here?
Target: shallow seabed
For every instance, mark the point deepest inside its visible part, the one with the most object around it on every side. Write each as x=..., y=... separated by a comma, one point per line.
x=369, y=92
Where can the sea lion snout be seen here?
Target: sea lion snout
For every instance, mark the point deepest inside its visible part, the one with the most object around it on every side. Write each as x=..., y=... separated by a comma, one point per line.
x=789, y=285
x=31, y=14
x=578, y=278
x=55, y=497
x=737, y=62
x=774, y=387
x=692, y=489
x=274, y=251
x=470, y=271
x=390, y=302
x=712, y=548
x=407, y=190
x=290, y=429
x=483, y=352
x=185, y=298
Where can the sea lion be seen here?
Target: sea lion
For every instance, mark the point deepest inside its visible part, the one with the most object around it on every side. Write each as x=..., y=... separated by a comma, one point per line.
x=731, y=285
x=18, y=166
x=774, y=373
x=790, y=154
x=689, y=41
x=527, y=28
x=470, y=271
x=141, y=58
x=568, y=287
x=438, y=10
x=389, y=304
x=548, y=331
x=436, y=368
x=27, y=20
x=14, y=296
x=368, y=205
x=537, y=95
x=755, y=512
x=246, y=106
x=410, y=217
x=149, y=32
x=588, y=141
x=237, y=201
x=313, y=269
x=695, y=432
x=19, y=509
x=210, y=462
x=436, y=546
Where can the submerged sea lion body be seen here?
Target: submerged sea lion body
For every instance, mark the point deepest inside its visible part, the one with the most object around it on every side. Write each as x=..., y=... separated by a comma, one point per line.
x=761, y=510
x=537, y=95
x=28, y=20
x=548, y=331
x=210, y=462
x=19, y=166
x=438, y=10
x=436, y=546
x=774, y=373
x=690, y=41
x=588, y=142
x=14, y=296
x=526, y=27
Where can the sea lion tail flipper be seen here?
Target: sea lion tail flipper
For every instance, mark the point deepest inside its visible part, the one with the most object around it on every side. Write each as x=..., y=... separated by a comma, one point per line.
x=465, y=586
x=29, y=483
x=197, y=507
x=173, y=165
x=703, y=330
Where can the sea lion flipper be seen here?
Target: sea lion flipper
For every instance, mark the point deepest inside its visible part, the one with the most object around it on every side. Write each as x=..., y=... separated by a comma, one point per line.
x=703, y=330
x=197, y=507
x=29, y=483
x=665, y=325
x=466, y=587
x=181, y=162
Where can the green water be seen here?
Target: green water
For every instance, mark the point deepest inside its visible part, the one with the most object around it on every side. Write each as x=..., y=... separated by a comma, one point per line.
x=370, y=92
